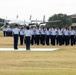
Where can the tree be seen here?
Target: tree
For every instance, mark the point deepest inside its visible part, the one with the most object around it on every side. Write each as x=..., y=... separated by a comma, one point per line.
x=1, y=20
x=65, y=20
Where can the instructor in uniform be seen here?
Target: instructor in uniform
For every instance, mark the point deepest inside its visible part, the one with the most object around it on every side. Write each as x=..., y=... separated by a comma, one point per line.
x=15, y=36
x=28, y=37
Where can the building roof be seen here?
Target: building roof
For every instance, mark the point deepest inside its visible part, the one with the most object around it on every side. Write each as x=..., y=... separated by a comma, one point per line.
x=73, y=16
x=73, y=24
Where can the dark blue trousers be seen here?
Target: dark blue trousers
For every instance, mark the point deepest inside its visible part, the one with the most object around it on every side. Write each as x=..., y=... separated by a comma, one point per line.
x=28, y=43
x=53, y=37
x=37, y=39
x=32, y=40
x=15, y=41
x=47, y=39
x=4, y=32
x=21, y=39
x=66, y=40
x=60, y=39
x=72, y=39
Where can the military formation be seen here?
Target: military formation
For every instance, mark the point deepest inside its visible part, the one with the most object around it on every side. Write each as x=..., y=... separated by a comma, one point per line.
x=45, y=36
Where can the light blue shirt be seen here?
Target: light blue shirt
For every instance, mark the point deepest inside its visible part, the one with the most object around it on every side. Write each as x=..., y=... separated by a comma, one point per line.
x=47, y=32
x=27, y=33
x=37, y=32
x=16, y=30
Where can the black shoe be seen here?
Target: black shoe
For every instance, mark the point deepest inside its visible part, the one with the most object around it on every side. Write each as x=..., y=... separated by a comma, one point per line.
x=15, y=48
x=27, y=49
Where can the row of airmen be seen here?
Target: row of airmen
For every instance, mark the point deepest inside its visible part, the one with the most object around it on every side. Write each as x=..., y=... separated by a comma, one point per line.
x=7, y=31
x=59, y=36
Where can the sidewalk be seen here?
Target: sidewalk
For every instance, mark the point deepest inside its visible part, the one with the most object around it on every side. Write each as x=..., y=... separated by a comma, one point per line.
x=32, y=49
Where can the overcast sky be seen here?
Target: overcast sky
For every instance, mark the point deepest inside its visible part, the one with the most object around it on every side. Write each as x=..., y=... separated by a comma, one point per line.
x=37, y=8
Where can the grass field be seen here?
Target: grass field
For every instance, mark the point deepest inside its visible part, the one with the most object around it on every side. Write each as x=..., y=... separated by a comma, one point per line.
x=60, y=62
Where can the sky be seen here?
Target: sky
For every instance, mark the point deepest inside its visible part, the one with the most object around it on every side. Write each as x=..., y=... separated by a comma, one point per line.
x=9, y=9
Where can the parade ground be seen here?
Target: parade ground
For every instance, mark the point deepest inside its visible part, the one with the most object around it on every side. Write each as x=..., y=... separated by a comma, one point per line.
x=40, y=60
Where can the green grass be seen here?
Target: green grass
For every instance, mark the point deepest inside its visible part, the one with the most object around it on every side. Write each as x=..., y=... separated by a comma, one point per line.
x=60, y=62
x=40, y=72
x=38, y=63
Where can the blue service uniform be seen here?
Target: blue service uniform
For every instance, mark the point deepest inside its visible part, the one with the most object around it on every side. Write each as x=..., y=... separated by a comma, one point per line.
x=27, y=34
x=33, y=34
x=53, y=36
x=66, y=37
x=60, y=36
x=47, y=36
x=9, y=31
x=4, y=32
x=15, y=35
x=21, y=36
x=43, y=37
x=72, y=34
x=37, y=36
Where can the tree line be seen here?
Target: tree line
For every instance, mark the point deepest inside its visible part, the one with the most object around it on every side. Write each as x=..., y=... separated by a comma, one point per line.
x=65, y=20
